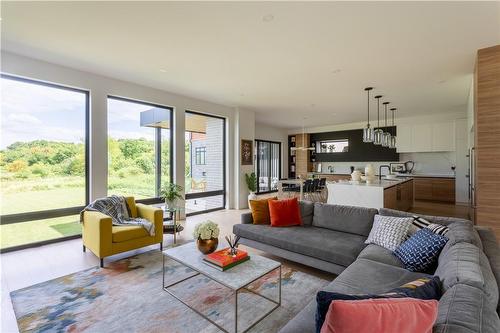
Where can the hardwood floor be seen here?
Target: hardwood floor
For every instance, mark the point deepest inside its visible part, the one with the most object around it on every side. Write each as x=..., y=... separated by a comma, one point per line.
x=440, y=209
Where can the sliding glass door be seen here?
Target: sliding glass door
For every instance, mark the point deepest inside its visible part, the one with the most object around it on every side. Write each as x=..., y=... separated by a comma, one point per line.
x=43, y=161
x=205, y=152
x=267, y=165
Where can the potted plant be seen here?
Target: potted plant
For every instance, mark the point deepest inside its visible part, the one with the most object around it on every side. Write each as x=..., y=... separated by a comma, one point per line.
x=206, y=234
x=251, y=180
x=171, y=193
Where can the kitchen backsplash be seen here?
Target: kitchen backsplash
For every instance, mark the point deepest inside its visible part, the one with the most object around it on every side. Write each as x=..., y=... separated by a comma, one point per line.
x=432, y=163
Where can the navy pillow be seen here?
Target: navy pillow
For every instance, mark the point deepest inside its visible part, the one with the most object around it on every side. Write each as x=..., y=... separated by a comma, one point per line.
x=421, y=250
x=423, y=288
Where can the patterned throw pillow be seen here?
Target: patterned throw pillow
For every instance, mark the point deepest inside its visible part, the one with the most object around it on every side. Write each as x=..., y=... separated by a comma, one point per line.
x=423, y=288
x=389, y=231
x=420, y=223
x=421, y=251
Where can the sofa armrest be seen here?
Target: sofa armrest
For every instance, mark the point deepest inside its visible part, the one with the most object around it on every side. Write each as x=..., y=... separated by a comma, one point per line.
x=97, y=233
x=246, y=218
x=153, y=215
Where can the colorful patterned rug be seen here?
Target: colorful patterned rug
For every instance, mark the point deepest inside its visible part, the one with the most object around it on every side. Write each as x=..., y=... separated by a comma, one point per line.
x=127, y=296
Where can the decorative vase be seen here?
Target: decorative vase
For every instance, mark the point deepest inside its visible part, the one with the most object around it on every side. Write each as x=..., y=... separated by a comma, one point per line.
x=251, y=196
x=170, y=204
x=207, y=246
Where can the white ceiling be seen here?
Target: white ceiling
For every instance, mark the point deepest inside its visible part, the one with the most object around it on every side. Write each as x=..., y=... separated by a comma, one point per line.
x=282, y=60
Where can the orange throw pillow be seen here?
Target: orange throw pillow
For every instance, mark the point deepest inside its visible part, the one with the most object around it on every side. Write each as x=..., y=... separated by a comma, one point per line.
x=385, y=315
x=260, y=211
x=284, y=213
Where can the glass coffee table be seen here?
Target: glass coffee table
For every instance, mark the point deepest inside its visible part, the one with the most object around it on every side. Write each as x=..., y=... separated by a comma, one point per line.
x=236, y=279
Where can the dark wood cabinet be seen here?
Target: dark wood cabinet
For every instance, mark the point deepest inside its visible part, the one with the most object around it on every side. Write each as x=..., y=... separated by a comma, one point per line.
x=435, y=189
x=399, y=196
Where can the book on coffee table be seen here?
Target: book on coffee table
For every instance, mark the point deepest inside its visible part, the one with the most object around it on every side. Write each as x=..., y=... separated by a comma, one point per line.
x=223, y=259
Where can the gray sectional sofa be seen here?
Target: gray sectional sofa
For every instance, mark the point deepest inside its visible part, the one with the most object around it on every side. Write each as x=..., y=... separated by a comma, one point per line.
x=332, y=239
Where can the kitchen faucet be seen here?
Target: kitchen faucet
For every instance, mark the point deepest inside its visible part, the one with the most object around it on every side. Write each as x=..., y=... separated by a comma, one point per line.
x=380, y=170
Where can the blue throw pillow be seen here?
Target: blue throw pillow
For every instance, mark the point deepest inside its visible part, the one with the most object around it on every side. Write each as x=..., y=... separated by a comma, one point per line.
x=423, y=288
x=421, y=250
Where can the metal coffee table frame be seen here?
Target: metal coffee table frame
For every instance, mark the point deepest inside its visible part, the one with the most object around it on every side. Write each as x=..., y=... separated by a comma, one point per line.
x=235, y=292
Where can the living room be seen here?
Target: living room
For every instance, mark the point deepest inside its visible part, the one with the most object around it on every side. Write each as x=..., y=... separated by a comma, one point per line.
x=303, y=132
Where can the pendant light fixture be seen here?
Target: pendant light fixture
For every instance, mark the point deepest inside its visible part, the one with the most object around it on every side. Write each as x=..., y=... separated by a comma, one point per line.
x=392, y=143
x=303, y=146
x=368, y=131
x=386, y=139
x=378, y=132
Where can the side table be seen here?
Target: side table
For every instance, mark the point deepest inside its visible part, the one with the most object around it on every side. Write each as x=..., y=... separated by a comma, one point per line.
x=172, y=227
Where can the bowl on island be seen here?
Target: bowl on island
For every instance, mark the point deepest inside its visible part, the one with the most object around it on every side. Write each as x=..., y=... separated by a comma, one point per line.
x=368, y=179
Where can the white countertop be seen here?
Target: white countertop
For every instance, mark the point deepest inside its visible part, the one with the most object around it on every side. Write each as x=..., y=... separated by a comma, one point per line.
x=428, y=175
x=384, y=183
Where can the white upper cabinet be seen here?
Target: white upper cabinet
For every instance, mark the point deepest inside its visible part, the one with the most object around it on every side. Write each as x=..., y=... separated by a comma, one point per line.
x=443, y=136
x=426, y=137
x=403, y=139
x=422, y=137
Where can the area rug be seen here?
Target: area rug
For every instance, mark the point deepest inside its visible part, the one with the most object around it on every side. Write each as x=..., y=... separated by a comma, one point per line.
x=127, y=296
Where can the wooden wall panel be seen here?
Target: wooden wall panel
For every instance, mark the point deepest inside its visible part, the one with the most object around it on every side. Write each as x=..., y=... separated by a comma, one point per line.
x=303, y=163
x=487, y=138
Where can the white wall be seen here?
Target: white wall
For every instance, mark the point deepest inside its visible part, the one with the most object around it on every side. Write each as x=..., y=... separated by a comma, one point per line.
x=100, y=87
x=266, y=132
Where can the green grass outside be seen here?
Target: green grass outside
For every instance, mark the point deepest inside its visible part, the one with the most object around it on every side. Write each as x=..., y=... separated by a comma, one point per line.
x=28, y=195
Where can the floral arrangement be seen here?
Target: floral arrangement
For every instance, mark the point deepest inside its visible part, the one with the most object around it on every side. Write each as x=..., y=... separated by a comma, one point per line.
x=206, y=230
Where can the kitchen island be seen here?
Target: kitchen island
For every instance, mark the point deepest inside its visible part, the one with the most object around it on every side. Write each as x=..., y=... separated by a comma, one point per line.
x=394, y=194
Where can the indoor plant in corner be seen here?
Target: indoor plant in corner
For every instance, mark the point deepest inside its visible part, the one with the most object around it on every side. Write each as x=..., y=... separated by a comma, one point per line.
x=206, y=234
x=251, y=180
x=171, y=193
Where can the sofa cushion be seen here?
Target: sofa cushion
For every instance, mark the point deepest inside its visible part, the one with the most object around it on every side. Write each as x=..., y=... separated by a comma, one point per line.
x=284, y=213
x=389, y=231
x=328, y=245
x=260, y=210
x=421, y=250
x=465, y=263
x=423, y=288
x=463, y=232
x=380, y=254
x=444, y=220
x=370, y=277
x=465, y=309
x=354, y=220
x=125, y=233
x=306, y=212
x=492, y=252
x=377, y=315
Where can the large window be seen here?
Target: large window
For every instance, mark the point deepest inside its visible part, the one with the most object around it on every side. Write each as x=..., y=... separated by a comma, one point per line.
x=205, y=142
x=268, y=165
x=139, y=145
x=43, y=161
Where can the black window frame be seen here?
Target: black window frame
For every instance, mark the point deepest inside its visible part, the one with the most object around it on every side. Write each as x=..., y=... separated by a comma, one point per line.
x=222, y=192
x=257, y=164
x=200, y=155
x=58, y=212
x=158, y=176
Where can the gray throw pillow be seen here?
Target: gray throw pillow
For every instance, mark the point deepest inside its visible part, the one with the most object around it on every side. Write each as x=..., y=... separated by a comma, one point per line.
x=389, y=231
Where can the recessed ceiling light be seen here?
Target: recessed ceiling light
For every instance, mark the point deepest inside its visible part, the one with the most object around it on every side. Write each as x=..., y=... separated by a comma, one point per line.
x=268, y=18
x=163, y=70
x=442, y=81
x=336, y=71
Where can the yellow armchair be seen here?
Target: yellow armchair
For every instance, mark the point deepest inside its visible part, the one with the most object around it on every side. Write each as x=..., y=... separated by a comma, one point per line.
x=104, y=239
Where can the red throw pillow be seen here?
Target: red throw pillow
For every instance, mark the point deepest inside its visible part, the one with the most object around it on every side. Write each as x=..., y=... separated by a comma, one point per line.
x=284, y=213
x=388, y=315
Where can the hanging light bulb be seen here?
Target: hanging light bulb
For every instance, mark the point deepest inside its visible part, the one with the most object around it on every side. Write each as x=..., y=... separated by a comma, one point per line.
x=386, y=139
x=392, y=144
x=378, y=132
x=368, y=131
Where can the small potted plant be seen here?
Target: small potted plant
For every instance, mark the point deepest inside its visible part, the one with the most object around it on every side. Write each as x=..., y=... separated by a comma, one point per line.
x=251, y=180
x=206, y=235
x=171, y=193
